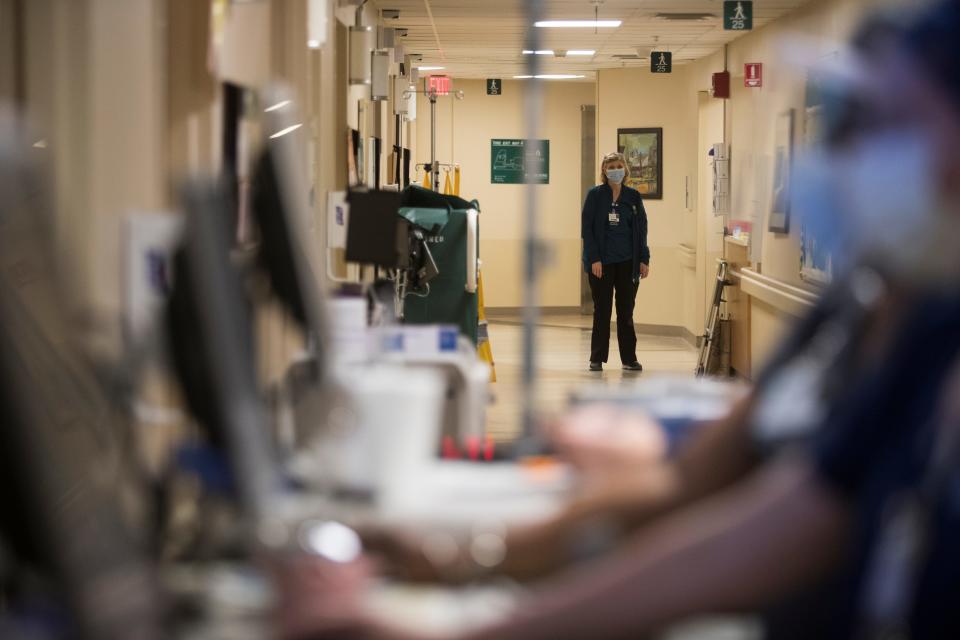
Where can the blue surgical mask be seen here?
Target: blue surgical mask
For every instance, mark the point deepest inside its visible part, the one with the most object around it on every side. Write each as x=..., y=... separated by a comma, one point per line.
x=616, y=175
x=878, y=200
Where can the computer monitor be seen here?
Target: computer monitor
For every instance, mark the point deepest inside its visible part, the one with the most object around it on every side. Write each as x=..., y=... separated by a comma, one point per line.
x=211, y=333
x=376, y=234
x=65, y=483
x=280, y=206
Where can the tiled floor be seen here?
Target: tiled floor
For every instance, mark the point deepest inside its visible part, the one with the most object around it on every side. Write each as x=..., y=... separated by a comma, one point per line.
x=563, y=352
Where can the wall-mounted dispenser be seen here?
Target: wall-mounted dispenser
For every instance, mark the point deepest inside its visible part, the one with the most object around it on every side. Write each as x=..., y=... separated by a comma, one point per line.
x=401, y=95
x=316, y=23
x=361, y=48
x=380, y=75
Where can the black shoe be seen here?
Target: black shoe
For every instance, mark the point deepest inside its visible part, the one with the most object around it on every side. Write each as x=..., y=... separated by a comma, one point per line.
x=596, y=366
x=633, y=366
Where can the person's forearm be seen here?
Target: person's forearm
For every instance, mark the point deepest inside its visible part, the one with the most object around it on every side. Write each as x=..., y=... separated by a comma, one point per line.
x=537, y=550
x=714, y=458
x=736, y=552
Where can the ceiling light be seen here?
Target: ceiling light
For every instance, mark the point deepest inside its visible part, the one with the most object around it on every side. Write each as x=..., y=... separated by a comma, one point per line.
x=539, y=52
x=581, y=52
x=684, y=17
x=550, y=76
x=430, y=68
x=569, y=24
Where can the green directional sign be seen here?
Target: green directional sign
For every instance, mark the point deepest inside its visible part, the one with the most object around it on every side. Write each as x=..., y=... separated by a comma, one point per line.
x=661, y=62
x=737, y=15
x=494, y=87
x=519, y=161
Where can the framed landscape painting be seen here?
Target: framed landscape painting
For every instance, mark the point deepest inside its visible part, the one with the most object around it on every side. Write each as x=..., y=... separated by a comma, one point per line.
x=643, y=149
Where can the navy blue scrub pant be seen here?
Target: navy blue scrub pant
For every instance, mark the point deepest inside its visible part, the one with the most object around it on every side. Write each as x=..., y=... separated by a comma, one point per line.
x=617, y=279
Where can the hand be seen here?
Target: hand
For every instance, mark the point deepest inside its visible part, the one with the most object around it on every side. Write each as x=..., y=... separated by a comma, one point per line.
x=597, y=268
x=644, y=270
x=405, y=554
x=602, y=439
x=320, y=598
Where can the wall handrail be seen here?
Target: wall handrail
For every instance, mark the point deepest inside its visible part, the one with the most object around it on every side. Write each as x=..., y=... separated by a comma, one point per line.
x=777, y=293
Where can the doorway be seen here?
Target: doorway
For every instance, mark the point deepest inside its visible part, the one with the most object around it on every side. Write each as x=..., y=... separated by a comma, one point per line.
x=588, y=155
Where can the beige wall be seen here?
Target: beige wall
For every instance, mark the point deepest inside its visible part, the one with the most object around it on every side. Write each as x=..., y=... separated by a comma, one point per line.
x=636, y=98
x=464, y=130
x=677, y=292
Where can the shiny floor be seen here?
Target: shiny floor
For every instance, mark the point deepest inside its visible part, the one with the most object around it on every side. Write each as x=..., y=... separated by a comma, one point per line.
x=563, y=352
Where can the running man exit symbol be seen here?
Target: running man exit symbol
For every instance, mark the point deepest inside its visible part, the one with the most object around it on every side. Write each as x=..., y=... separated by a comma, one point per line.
x=738, y=15
x=493, y=86
x=661, y=62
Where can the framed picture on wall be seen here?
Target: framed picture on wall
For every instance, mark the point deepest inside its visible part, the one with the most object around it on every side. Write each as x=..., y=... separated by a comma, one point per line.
x=782, y=163
x=643, y=149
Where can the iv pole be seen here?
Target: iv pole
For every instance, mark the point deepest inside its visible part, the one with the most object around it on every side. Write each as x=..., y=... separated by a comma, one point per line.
x=434, y=166
x=434, y=169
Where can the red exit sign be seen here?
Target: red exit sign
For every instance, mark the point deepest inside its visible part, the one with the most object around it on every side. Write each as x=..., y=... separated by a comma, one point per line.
x=440, y=85
x=753, y=74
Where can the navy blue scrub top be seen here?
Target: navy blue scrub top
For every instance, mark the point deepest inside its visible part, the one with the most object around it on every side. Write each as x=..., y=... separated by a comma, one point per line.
x=876, y=446
x=619, y=230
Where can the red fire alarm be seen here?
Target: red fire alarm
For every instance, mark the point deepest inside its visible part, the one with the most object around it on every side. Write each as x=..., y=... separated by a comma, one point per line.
x=721, y=85
x=753, y=74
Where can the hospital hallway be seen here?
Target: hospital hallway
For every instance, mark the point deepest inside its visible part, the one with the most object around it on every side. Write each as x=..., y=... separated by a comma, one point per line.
x=297, y=319
x=563, y=355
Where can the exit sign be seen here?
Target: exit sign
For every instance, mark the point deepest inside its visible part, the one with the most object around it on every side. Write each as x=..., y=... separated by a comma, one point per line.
x=753, y=74
x=737, y=15
x=439, y=85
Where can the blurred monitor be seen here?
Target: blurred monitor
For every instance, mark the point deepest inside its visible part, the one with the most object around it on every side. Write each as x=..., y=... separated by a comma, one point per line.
x=376, y=234
x=281, y=208
x=70, y=506
x=210, y=322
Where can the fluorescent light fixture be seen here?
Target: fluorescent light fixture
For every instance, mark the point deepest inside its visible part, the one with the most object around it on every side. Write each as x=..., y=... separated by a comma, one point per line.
x=581, y=52
x=284, y=132
x=550, y=76
x=571, y=24
x=430, y=68
x=539, y=52
x=274, y=107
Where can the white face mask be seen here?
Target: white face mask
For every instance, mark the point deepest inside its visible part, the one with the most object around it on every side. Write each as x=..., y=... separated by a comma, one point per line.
x=879, y=202
x=616, y=176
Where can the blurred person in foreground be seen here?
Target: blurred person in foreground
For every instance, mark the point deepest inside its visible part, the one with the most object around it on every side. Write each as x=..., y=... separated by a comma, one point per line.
x=866, y=499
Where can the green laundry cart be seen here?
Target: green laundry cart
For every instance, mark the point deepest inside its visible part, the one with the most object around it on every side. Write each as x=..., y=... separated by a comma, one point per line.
x=455, y=247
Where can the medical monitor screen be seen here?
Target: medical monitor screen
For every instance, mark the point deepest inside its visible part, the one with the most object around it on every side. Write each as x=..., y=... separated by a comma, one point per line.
x=376, y=234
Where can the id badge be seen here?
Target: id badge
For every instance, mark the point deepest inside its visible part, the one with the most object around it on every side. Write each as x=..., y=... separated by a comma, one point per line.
x=614, y=218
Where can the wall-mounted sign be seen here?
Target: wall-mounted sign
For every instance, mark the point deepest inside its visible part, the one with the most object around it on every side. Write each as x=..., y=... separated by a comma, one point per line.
x=661, y=62
x=753, y=74
x=439, y=85
x=494, y=87
x=737, y=15
x=520, y=161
